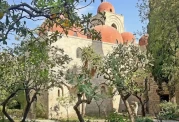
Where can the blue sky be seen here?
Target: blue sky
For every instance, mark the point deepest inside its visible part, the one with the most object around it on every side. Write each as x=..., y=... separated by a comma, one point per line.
x=125, y=7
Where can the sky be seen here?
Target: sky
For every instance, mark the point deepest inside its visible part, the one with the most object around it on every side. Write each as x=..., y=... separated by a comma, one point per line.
x=125, y=7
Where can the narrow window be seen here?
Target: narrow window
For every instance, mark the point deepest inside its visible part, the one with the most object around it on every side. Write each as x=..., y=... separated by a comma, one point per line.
x=78, y=52
x=117, y=41
x=110, y=10
x=58, y=92
x=103, y=90
x=114, y=26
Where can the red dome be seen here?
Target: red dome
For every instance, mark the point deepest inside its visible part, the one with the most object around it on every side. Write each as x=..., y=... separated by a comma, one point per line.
x=109, y=34
x=74, y=31
x=71, y=32
x=144, y=40
x=127, y=37
x=106, y=6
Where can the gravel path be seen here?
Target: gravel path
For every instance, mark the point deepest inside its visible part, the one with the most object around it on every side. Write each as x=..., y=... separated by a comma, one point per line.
x=56, y=121
x=166, y=121
x=104, y=121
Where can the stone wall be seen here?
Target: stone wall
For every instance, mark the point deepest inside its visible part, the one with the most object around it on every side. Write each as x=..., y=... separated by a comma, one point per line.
x=154, y=98
x=55, y=110
x=42, y=102
x=70, y=45
x=117, y=19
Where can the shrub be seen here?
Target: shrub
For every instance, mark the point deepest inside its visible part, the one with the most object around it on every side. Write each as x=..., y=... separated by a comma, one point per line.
x=5, y=120
x=140, y=119
x=168, y=110
x=115, y=117
x=15, y=113
x=40, y=111
x=1, y=114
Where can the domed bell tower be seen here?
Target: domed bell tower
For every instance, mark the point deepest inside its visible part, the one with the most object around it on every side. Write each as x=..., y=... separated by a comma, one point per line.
x=111, y=18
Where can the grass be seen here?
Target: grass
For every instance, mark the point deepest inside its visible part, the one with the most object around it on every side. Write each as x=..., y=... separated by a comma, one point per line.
x=5, y=120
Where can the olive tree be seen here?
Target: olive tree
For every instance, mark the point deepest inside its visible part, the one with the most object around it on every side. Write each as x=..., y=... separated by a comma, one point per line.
x=119, y=68
x=63, y=13
x=79, y=78
x=163, y=29
x=28, y=68
x=66, y=102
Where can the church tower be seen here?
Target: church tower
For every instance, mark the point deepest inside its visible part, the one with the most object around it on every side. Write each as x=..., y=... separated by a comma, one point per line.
x=111, y=18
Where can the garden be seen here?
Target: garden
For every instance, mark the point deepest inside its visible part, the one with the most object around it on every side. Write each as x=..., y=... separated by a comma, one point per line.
x=32, y=66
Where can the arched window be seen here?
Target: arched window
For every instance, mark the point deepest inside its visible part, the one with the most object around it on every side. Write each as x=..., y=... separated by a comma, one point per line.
x=103, y=90
x=60, y=92
x=114, y=26
x=110, y=10
x=78, y=52
x=117, y=41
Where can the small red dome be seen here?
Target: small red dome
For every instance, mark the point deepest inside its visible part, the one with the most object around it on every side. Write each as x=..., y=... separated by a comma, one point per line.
x=109, y=34
x=143, y=41
x=106, y=6
x=127, y=37
x=71, y=32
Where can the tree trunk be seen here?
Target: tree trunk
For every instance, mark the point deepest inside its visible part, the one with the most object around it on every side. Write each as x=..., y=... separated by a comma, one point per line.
x=131, y=116
x=99, y=107
x=26, y=111
x=147, y=107
x=6, y=114
x=67, y=114
x=83, y=107
x=29, y=103
x=142, y=106
x=5, y=103
x=80, y=117
x=143, y=110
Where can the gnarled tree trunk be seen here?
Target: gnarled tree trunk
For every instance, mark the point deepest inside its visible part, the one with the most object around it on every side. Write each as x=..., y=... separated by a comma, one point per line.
x=5, y=103
x=80, y=101
x=29, y=103
x=129, y=110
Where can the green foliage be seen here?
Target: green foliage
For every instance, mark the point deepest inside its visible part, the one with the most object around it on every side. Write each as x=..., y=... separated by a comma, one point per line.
x=29, y=69
x=163, y=42
x=115, y=117
x=168, y=110
x=16, y=113
x=121, y=66
x=15, y=15
x=80, y=76
x=1, y=120
x=41, y=112
x=21, y=99
x=1, y=114
x=88, y=55
x=143, y=119
x=66, y=101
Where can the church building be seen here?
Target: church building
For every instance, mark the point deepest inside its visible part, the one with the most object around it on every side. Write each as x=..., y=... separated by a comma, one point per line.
x=112, y=33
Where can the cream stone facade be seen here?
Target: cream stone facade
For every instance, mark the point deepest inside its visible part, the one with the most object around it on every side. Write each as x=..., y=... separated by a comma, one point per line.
x=71, y=45
x=112, y=19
